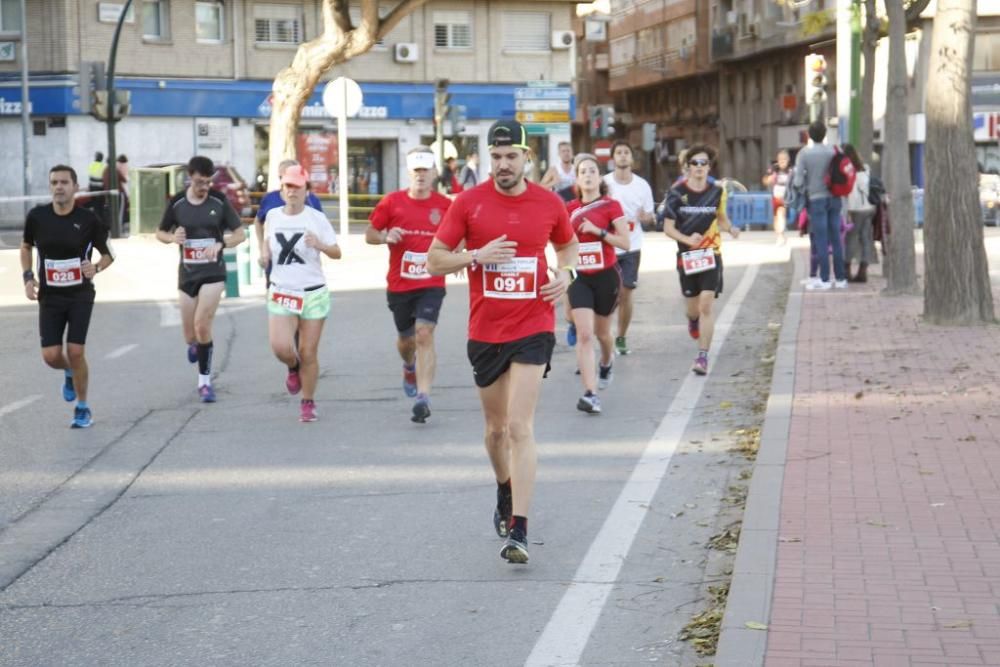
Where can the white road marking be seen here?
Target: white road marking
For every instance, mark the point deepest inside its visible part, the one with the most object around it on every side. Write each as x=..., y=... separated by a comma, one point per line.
x=565, y=636
x=17, y=405
x=121, y=351
x=170, y=314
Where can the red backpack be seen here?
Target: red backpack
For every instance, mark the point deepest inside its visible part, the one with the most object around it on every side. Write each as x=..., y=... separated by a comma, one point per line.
x=840, y=174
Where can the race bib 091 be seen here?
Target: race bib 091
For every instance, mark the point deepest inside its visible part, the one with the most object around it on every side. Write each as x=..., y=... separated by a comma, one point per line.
x=514, y=280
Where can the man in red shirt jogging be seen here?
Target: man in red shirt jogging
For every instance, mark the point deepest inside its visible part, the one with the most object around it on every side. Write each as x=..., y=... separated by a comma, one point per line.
x=406, y=220
x=506, y=224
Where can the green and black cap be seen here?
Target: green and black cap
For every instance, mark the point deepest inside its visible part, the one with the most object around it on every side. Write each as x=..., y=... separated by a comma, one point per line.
x=507, y=133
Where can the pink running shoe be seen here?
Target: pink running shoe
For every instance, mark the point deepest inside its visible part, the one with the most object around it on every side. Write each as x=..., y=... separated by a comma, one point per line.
x=293, y=383
x=307, y=411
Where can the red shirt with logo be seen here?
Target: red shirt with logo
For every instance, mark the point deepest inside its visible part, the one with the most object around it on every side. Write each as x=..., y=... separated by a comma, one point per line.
x=595, y=254
x=505, y=302
x=418, y=219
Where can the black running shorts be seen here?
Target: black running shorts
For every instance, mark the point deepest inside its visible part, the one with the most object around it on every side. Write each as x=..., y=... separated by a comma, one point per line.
x=408, y=308
x=629, y=265
x=597, y=291
x=69, y=315
x=192, y=287
x=491, y=360
x=707, y=281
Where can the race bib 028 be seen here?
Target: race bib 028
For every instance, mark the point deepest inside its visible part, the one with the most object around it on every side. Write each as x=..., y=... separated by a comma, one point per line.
x=516, y=279
x=63, y=272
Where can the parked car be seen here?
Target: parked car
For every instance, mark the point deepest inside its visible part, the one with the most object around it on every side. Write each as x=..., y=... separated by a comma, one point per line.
x=225, y=179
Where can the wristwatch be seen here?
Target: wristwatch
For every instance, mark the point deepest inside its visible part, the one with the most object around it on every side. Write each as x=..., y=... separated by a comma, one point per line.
x=604, y=234
x=28, y=276
x=475, y=262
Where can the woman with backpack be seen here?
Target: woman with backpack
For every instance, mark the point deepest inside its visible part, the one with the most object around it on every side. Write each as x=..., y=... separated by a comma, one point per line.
x=859, y=244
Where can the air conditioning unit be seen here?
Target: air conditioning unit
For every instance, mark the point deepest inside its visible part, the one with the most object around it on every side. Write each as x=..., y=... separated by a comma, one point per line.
x=407, y=52
x=562, y=39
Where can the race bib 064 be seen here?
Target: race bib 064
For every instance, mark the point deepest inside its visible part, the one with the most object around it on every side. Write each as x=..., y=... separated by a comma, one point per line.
x=414, y=266
x=63, y=272
x=516, y=279
x=196, y=251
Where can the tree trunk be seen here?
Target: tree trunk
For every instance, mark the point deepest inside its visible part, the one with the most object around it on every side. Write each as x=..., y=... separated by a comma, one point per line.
x=956, y=275
x=869, y=41
x=339, y=41
x=901, y=265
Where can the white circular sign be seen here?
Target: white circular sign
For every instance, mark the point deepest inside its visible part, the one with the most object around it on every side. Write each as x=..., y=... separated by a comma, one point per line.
x=339, y=91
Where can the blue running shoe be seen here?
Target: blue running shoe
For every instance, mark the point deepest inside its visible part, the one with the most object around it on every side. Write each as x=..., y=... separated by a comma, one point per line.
x=69, y=392
x=206, y=393
x=193, y=353
x=421, y=409
x=410, y=381
x=82, y=418
x=571, y=335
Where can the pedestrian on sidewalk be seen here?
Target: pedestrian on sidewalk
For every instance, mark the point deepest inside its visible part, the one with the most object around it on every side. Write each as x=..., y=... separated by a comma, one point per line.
x=859, y=244
x=777, y=179
x=811, y=166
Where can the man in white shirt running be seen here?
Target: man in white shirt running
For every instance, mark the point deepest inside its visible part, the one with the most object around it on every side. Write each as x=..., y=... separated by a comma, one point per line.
x=636, y=199
x=560, y=175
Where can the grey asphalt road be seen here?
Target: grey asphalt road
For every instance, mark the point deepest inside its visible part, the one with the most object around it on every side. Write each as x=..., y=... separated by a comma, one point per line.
x=177, y=533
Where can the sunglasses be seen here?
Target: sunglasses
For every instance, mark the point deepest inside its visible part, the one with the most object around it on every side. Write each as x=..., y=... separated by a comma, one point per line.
x=698, y=163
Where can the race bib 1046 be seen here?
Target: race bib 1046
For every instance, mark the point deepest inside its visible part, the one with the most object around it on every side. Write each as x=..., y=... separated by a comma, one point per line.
x=698, y=261
x=414, y=266
x=291, y=300
x=63, y=272
x=591, y=256
x=196, y=251
x=517, y=279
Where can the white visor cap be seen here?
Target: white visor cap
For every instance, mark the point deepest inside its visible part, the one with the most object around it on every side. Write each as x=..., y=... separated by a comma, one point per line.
x=420, y=160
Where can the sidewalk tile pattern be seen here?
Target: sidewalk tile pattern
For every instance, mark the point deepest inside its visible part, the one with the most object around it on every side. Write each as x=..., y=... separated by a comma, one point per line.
x=889, y=544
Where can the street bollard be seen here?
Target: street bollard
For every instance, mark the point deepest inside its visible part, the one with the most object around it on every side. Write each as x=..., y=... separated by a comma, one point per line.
x=243, y=263
x=232, y=277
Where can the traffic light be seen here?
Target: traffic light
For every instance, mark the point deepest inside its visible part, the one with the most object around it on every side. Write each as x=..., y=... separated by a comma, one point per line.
x=91, y=80
x=609, y=121
x=457, y=116
x=120, y=109
x=816, y=86
x=442, y=102
x=595, y=120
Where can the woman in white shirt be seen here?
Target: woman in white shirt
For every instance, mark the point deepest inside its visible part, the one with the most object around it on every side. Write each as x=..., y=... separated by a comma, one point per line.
x=298, y=300
x=859, y=242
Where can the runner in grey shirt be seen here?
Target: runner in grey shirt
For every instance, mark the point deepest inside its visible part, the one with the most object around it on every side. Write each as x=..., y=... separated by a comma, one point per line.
x=201, y=222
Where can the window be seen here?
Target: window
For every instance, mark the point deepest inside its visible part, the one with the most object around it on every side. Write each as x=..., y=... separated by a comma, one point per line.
x=526, y=31
x=986, y=56
x=10, y=15
x=452, y=30
x=156, y=19
x=208, y=22
x=277, y=24
x=355, y=13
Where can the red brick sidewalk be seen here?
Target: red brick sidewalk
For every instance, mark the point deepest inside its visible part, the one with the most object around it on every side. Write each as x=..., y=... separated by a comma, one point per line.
x=889, y=538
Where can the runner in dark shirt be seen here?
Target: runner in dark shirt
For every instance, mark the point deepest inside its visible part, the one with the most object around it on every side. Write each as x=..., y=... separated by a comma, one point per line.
x=64, y=236
x=694, y=213
x=201, y=222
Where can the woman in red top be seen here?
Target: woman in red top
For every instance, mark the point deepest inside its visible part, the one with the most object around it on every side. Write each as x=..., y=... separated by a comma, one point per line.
x=600, y=226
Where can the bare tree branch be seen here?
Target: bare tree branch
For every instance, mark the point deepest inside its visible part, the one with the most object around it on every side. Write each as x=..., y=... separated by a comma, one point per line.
x=396, y=15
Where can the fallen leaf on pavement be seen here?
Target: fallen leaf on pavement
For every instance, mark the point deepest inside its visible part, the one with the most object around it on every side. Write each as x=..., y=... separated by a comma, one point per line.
x=754, y=625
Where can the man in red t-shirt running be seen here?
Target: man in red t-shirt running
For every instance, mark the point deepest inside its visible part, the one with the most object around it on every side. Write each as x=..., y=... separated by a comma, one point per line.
x=406, y=220
x=506, y=224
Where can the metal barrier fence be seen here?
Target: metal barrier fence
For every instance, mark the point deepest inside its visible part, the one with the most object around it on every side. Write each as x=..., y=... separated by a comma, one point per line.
x=747, y=209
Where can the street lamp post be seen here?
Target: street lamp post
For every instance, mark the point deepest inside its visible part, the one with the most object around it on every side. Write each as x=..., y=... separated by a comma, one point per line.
x=116, y=224
x=25, y=106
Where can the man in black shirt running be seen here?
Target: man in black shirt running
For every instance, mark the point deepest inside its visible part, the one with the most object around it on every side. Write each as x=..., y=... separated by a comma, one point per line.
x=201, y=222
x=64, y=236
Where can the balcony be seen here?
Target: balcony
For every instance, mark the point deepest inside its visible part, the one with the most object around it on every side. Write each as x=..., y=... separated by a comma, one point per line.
x=722, y=44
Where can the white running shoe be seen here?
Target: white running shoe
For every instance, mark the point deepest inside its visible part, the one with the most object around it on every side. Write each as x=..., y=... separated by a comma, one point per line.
x=819, y=285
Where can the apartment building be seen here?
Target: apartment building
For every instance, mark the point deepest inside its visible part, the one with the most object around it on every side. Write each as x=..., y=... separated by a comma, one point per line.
x=199, y=74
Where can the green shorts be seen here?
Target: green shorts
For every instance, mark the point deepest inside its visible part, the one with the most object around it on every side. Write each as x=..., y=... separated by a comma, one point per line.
x=315, y=303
